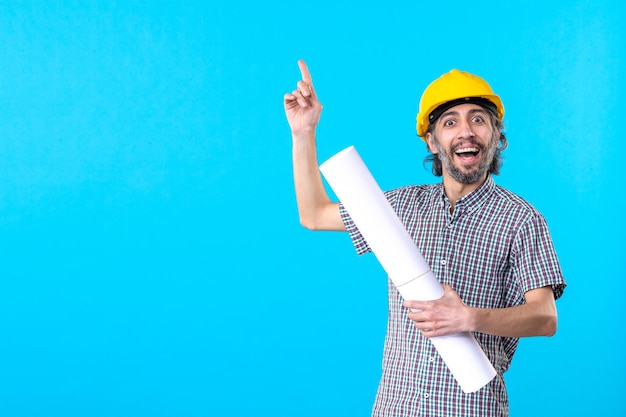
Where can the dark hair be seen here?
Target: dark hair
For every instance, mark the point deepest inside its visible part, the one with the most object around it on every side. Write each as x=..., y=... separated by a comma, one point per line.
x=494, y=169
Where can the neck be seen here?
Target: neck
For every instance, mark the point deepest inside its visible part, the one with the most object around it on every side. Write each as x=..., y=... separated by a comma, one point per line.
x=455, y=190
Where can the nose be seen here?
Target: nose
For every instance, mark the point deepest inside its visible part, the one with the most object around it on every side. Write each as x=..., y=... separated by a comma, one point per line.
x=465, y=130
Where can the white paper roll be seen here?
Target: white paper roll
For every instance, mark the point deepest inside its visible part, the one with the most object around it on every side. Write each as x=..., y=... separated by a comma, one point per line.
x=394, y=248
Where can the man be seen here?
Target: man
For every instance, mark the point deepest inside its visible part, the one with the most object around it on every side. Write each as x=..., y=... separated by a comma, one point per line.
x=490, y=249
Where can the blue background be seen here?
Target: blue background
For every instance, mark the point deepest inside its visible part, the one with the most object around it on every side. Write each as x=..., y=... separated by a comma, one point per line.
x=151, y=258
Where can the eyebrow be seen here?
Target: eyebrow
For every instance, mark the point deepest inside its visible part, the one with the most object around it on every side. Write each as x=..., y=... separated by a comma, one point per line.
x=456, y=113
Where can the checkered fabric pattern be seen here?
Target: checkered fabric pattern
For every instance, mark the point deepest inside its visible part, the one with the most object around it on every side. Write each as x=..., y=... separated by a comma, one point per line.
x=491, y=250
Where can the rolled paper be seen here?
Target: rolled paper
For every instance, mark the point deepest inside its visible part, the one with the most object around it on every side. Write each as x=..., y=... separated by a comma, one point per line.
x=400, y=257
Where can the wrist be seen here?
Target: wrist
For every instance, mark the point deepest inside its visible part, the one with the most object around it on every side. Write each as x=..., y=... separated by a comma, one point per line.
x=303, y=134
x=474, y=319
x=304, y=138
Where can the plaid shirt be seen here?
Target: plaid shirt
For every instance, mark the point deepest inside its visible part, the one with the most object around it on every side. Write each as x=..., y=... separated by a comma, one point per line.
x=491, y=250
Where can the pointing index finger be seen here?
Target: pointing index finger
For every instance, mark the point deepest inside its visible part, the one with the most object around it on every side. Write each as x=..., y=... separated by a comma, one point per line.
x=304, y=70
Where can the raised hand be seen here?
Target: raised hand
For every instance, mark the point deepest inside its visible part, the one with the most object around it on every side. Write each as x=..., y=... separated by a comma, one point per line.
x=302, y=107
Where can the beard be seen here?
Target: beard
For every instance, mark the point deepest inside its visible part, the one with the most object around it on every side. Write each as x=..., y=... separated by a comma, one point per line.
x=460, y=174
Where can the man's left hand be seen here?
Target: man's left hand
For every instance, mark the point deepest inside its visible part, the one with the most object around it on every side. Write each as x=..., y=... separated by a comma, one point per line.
x=447, y=315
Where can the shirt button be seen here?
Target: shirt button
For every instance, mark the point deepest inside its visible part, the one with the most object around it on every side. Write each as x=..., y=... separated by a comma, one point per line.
x=431, y=359
x=443, y=262
x=426, y=395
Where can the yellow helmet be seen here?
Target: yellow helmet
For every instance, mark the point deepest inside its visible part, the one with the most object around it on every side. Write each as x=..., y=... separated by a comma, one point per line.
x=455, y=87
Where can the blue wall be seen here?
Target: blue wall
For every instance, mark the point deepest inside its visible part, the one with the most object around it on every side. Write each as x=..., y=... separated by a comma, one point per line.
x=151, y=259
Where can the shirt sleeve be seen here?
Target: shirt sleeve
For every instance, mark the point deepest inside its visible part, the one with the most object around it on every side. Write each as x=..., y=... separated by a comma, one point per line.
x=534, y=259
x=360, y=244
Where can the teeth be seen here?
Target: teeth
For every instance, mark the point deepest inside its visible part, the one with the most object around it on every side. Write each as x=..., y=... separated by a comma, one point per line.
x=464, y=150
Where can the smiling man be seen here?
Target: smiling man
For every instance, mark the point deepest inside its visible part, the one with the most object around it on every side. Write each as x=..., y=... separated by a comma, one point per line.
x=490, y=249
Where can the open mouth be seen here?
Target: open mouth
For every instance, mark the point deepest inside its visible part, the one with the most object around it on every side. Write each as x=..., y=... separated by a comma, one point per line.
x=467, y=154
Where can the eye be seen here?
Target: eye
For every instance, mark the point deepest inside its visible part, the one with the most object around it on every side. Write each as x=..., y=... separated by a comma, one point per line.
x=449, y=122
x=478, y=119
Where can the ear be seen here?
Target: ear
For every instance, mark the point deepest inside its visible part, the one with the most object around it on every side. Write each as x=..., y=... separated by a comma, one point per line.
x=429, y=143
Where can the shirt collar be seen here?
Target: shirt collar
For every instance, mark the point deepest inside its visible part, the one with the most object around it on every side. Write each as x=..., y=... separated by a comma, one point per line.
x=473, y=200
